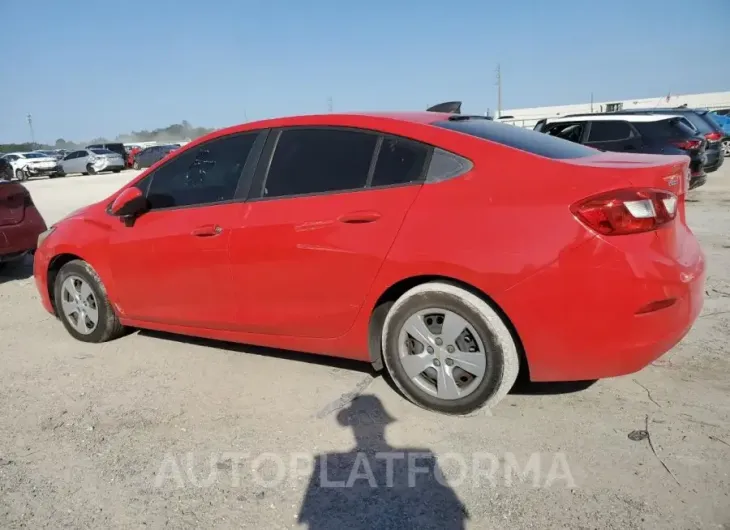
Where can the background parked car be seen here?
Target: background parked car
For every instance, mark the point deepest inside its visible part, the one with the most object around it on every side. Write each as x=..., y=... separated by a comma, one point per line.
x=149, y=156
x=26, y=165
x=116, y=147
x=700, y=120
x=658, y=134
x=92, y=161
x=723, y=120
x=20, y=222
x=6, y=170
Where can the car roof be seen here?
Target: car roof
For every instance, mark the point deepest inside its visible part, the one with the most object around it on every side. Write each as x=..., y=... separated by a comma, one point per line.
x=614, y=117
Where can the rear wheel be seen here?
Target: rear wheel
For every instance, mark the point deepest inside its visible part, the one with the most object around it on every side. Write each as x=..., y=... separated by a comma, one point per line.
x=90, y=170
x=116, y=170
x=726, y=147
x=82, y=305
x=448, y=350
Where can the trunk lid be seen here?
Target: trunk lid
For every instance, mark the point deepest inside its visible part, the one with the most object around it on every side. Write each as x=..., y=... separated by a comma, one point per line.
x=13, y=200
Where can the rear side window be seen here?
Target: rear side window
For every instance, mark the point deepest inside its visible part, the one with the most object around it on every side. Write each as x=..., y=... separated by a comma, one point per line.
x=206, y=174
x=665, y=129
x=320, y=160
x=523, y=139
x=609, y=131
x=400, y=161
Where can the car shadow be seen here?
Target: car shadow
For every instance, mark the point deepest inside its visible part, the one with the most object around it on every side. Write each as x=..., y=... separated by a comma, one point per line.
x=523, y=386
x=310, y=358
x=20, y=269
x=376, y=485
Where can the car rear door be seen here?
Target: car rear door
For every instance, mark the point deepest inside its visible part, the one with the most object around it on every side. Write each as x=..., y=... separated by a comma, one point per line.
x=172, y=265
x=320, y=220
x=612, y=135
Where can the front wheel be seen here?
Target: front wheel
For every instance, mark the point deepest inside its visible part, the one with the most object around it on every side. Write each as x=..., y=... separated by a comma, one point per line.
x=21, y=175
x=448, y=350
x=82, y=305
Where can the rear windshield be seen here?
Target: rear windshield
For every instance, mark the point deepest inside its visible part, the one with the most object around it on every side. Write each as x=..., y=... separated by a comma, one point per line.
x=102, y=152
x=673, y=128
x=519, y=138
x=35, y=155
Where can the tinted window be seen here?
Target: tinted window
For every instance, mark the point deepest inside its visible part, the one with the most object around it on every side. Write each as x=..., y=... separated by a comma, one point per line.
x=608, y=131
x=318, y=161
x=399, y=161
x=573, y=132
x=665, y=129
x=519, y=138
x=206, y=174
x=699, y=122
x=102, y=152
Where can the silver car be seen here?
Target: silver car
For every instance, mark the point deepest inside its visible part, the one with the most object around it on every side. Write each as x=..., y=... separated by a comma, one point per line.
x=92, y=161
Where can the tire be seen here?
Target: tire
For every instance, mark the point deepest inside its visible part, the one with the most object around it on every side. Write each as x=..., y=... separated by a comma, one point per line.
x=107, y=325
x=484, y=330
x=135, y=165
x=116, y=170
x=90, y=170
x=20, y=175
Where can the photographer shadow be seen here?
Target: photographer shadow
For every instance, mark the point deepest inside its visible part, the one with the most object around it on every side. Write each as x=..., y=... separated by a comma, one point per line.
x=375, y=485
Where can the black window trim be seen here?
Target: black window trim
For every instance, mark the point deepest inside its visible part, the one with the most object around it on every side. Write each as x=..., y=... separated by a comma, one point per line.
x=244, y=179
x=266, y=158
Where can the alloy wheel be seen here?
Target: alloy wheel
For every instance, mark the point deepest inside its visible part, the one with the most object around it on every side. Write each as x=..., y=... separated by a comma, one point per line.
x=79, y=305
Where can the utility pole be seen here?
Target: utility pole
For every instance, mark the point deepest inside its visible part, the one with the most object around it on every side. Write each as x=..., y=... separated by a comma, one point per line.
x=32, y=134
x=591, y=102
x=329, y=104
x=499, y=91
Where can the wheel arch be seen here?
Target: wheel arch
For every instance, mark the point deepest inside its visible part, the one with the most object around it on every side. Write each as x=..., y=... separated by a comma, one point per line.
x=395, y=291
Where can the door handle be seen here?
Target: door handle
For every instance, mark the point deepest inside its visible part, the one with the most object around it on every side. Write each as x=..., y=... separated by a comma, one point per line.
x=359, y=217
x=207, y=231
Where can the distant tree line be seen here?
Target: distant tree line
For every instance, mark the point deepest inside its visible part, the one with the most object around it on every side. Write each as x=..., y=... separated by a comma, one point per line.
x=172, y=133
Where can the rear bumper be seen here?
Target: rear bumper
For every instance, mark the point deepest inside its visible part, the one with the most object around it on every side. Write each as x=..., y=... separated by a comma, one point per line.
x=714, y=161
x=23, y=237
x=581, y=318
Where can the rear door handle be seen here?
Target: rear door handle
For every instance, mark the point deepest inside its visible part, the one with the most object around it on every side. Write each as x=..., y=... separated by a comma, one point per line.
x=359, y=217
x=207, y=231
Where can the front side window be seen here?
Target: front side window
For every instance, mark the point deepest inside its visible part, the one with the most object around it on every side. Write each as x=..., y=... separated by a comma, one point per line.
x=400, y=161
x=319, y=160
x=573, y=132
x=206, y=174
x=609, y=131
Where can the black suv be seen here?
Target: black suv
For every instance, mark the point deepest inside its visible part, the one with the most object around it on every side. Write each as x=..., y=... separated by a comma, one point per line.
x=651, y=134
x=703, y=122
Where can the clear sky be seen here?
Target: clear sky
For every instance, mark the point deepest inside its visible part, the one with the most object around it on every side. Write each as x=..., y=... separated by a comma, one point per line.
x=87, y=68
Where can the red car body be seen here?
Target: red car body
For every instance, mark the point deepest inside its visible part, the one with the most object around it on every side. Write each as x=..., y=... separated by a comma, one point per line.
x=130, y=156
x=20, y=222
x=306, y=272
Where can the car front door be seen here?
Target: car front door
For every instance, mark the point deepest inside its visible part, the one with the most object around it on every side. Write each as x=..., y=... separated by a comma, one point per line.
x=171, y=266
x=70, y=163
x=324, y=210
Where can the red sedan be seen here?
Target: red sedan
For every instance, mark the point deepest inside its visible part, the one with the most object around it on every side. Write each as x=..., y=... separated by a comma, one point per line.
x=20, y=222
x=449, y=249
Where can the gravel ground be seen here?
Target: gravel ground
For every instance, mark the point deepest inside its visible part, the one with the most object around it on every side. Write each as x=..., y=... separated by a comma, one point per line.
x=156, y=430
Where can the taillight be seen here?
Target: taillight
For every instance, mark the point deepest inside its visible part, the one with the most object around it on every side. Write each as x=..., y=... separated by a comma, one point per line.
x=688, y=145
x=627, y=211
x=713, y=137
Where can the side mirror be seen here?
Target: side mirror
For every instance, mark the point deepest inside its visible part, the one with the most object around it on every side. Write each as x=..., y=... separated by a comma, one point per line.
x=129, y=204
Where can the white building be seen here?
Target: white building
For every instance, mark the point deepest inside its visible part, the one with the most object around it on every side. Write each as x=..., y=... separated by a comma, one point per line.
x=529, y=117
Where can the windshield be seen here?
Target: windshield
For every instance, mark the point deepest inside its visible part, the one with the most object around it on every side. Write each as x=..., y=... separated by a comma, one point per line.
x=102, y=152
